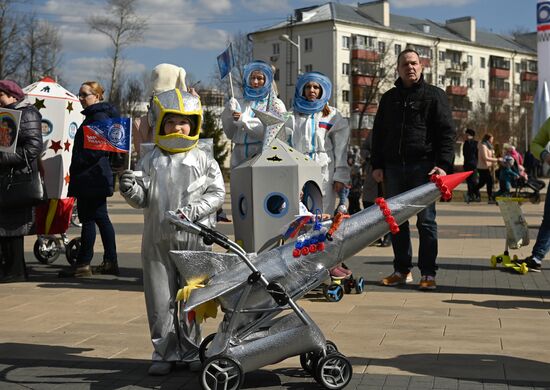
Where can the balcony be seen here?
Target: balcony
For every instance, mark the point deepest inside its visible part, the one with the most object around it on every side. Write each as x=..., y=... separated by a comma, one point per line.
x=499, y=94
x=425, y=62
x=363, y=81
x=499, y=73
x=529, y=76
x=457, y=90
x=459, y=114
x=359, y=107
x=365, y=54
x=499, y=117
x=527, y=97
x=454, y=67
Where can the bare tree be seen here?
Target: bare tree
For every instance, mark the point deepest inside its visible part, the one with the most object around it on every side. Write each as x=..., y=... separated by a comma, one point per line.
x=42, y=49
x=133, y=96
x=11, y=56
x=123, y=27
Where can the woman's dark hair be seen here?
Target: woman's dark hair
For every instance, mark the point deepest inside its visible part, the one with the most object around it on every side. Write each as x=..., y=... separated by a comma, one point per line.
x=487, y=137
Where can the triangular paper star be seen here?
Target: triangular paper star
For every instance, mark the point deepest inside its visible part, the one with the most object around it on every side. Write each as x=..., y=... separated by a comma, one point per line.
x=67, y=145
x=70, y=106
x=39, y=103
x=67, y=179
x=55, y=146
x=273, y=125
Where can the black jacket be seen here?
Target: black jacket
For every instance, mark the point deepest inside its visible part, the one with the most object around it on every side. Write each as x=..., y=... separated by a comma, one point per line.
x=469, y=151
x=412, y=125
x=19, y=221
x=90, y=171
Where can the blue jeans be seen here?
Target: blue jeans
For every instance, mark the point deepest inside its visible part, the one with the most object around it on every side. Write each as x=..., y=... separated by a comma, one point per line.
x=542, y=245
x=92, y=211
x=398, y=179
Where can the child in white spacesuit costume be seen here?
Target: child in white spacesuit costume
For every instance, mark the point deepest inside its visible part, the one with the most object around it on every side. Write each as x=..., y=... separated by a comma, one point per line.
x=239, y=122
x=176, y=175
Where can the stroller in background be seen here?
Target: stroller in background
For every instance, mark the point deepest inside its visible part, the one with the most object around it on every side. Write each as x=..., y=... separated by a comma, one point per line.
x=528, y=189
x=52, y=221
x=251, y=337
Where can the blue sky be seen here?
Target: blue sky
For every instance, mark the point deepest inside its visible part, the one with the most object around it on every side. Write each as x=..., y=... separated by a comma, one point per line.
x=191, y=33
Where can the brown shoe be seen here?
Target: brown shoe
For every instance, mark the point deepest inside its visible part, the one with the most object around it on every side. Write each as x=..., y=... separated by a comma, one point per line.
x=397, y=278
x=107, y=268
x=427, y=283
x=82, y=271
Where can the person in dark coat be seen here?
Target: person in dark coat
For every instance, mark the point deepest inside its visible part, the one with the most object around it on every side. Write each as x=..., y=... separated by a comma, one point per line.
x=15, y=223
x=413, y=138
x=91, y=183
x=470, y=152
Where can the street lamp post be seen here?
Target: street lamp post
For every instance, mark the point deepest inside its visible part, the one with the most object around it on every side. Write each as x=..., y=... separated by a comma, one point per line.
x=285, y=37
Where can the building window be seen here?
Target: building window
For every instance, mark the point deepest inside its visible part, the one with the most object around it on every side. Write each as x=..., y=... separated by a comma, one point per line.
x=345, y=96
x=381, y=47
x=276, y=75
x=482, y=107
x=397, y=49
x=470, y=60
x=518, y=66
x=441, y=55
x=470, y=83
x=308, y=68
x=482, y=84
x=516, y=88
x=345, y=69
x=308, y=44
x=345, y=42
x=276, y=49
x=482, y=62
x=455, y=80
x=441, y=80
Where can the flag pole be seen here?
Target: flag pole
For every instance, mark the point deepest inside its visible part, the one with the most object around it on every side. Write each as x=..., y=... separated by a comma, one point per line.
x=231, y=84
x=130, y=147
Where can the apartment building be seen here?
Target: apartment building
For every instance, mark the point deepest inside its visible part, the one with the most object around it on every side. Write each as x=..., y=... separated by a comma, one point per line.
x=483, y=73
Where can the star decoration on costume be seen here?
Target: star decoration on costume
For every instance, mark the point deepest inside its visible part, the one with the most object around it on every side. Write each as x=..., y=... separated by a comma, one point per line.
x=67, y=179
x=67, y=145
x=55, y=146
x=39, y=103
x=70, y=107
x=273, y=123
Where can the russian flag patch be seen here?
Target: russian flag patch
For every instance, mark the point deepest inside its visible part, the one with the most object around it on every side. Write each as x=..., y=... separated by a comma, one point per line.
x=326, y=125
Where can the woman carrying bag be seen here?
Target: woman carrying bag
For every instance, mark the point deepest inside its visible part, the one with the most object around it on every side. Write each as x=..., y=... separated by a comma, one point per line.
x=17, y=222
x=91, y=183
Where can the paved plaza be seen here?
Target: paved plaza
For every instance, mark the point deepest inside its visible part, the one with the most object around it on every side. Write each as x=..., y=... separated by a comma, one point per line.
x=483, y=328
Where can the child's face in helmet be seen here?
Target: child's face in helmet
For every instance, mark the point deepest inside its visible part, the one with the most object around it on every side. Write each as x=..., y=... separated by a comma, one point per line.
x=177, y=124
x=257, y=79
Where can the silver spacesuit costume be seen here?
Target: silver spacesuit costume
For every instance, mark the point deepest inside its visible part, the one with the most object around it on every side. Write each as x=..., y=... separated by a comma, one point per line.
x=178, y=174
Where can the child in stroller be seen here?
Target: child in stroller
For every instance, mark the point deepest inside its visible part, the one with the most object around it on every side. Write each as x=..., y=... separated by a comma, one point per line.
x=514, y=182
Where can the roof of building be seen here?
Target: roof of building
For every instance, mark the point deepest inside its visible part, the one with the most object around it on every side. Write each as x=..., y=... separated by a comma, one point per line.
x=405, y=24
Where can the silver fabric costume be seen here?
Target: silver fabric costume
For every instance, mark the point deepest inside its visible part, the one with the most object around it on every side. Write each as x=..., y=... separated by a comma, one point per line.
x=192, y=182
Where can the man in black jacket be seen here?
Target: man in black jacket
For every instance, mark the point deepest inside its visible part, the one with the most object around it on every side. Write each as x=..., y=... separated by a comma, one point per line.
x=413, y=138
x=469, y=151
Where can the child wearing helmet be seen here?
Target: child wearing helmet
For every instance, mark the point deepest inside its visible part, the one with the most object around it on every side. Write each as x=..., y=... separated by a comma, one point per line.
x=507, y=175
x=178, y=174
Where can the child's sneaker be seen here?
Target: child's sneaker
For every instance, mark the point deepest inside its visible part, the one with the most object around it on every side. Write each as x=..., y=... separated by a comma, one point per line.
x=397, y=278
x=427, y=282
x=338, y=273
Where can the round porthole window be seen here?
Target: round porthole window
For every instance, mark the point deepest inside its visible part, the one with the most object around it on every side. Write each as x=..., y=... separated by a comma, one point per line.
x=243, y=206
x=276, y=204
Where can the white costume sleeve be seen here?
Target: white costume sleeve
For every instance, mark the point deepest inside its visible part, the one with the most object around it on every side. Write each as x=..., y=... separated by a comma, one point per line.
x=229, y=125
x=338, y=136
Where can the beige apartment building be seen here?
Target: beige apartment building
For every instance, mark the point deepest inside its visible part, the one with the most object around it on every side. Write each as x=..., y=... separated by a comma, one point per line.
x=490, y=79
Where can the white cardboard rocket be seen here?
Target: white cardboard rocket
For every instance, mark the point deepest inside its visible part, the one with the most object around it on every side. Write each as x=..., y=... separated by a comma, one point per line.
x=61, y=117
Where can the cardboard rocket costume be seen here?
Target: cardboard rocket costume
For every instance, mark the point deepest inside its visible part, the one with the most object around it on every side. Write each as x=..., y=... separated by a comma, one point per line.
x=60, y=110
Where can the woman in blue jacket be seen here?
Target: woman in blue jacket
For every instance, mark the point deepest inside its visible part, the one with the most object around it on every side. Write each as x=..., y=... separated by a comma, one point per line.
x=91, y=183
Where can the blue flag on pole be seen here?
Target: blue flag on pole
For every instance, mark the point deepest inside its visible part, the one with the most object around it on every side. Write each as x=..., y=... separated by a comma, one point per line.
x=112, y=135
x=226, y=62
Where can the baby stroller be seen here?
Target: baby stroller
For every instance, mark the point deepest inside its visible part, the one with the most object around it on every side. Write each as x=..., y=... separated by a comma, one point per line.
x=253, y=335
x=528, y=189
x=52, y=221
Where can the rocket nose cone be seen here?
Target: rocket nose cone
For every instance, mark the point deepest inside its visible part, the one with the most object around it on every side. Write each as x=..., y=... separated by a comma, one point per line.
x=448, y=183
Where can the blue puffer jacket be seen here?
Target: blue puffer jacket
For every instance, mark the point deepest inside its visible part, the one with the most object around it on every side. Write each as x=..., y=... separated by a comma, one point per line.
x=90, y=171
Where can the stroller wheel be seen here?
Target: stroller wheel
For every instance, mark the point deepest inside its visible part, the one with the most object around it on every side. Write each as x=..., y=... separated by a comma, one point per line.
x=46, y=250
x=331, y=347
x=334, y=371
x=349, y=284
x=333, y=292
x=72, y=250
x=204, y=346
x=308, y=362
x=221, y=372
x=360, y=286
